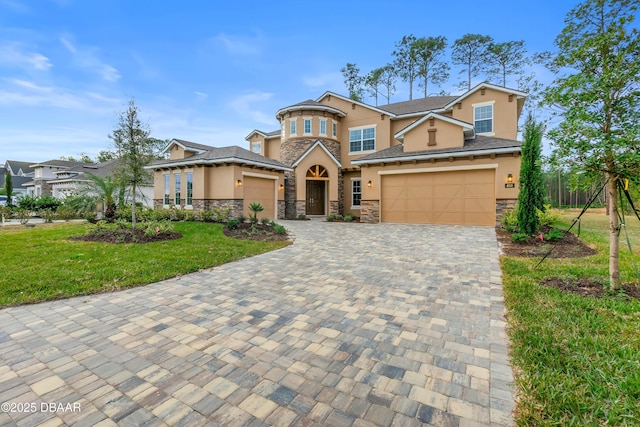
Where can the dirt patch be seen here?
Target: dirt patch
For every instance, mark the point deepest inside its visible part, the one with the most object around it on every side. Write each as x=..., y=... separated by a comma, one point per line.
x=260, y=232
x=567, y=247
x=590, y=287
x=127, y=236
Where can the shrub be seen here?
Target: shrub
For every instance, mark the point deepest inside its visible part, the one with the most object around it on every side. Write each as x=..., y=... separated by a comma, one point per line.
x=122, y=223
x=554, y=235
x=153, y=228
x=99, y=228
x=47, y=202
x=189, y=216
x=241, y=218
x=547, y=217
x=510, y=220
x=66, y=212
x=161, y=215
x=279, y=229
x=23, y=216
x=208, y=216
x=349, y=217
x=264, y=221
x=331, y=218
x=47, y=215
x=519, y=237
x=255, y=209
x=339, y=218
x=302, y=216
x=221, y=215
x=179, y=214
x=28, y=203
x=232, y=224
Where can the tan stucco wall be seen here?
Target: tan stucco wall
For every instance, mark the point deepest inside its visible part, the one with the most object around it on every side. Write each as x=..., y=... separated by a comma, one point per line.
x=316, y=157
x=505, y=113
x=314, y=116
x=272, y=148
x=507, y=164
x=176, y=152
x=448, y=135
x=356, y=117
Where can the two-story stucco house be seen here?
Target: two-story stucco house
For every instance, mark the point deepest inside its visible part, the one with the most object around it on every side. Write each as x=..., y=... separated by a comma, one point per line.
x=441, y=160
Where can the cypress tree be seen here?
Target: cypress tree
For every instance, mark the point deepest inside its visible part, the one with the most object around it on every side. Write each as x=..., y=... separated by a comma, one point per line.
x=8, y=185
x=530, y=198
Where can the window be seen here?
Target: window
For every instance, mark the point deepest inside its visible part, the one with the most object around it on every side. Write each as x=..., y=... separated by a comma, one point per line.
x=323, y=126
x=307, y=126
x=166, y=190
x=334, y=125
x=292, y=127
x=189, y=189
x=256, y=147
x=362, y=139
x=356, y=193
x=483, y=118
x=283, y=132
x=177, y=195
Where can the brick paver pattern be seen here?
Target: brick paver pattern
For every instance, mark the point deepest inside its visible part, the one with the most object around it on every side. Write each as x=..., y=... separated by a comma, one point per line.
x=352, y=325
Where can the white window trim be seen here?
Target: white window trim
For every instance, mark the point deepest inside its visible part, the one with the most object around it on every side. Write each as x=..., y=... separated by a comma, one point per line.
x=352, y=205
x=375, y=140
x=304, y=131
x=293, y=126
x=254, y=144
x=334, y=126
x=493, y=117
x=186, y=189
x=320, y=121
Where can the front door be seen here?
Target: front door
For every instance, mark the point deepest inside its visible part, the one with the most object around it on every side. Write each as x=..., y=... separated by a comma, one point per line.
x=315, y=197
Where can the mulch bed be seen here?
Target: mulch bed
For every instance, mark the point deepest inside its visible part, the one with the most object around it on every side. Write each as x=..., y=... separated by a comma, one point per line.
x=127, y=236
x=260, y=232
x=590, y=287
x=568, y=247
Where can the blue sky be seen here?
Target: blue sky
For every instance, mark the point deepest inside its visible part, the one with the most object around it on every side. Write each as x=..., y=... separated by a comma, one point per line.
x=211, y=71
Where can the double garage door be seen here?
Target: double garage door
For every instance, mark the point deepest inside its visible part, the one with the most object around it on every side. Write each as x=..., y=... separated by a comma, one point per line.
x=260, y=190
x=465, y=197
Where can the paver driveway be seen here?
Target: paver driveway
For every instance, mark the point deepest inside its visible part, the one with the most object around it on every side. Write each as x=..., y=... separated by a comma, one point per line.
x=353, y=324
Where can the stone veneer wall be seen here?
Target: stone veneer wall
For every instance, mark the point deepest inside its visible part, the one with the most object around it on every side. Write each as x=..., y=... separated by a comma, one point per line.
x=290, y=195
x=292, y=149
x=370, y=211
x=281, y=209
x=334, y=207
x=503, y=205
x=301, y=208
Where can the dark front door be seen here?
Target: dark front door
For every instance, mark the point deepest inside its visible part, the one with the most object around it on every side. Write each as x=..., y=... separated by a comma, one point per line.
x=315, y=197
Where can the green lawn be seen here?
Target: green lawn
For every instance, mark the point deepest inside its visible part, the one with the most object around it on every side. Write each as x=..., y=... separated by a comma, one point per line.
x=576, y=359
x=41, y=263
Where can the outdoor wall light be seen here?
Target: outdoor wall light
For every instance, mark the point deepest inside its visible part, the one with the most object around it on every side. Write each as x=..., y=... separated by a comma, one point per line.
x=239, y=183
x=510, y=178
x=281, y=187
x=369, y=184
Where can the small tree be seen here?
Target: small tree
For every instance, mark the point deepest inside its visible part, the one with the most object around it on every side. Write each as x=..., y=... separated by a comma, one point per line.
x=8, y=187
x=531, y=196
x=353, y=81
x=135, y=151
x=598, y=97
x=471, y=51
x=104, y=189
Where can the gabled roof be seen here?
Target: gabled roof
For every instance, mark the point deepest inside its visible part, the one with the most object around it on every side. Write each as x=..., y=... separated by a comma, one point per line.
x=56, y=163
x=362, y=104
x=16, y=166
x=484, y=85
x=415, y=106
x=310, y=104
x=478, y=146
x=266, y=135
x=213, y=155
x=187, y=145
x=467, y=128
x=308, y=151
x=79, y=173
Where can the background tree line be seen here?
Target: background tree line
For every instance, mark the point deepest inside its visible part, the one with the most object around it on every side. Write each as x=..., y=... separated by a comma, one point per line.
x=424, y=63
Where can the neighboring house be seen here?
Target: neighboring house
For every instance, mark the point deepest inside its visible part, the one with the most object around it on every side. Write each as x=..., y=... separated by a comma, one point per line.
x=61, y=178
x=21, y=173
x=440, y=160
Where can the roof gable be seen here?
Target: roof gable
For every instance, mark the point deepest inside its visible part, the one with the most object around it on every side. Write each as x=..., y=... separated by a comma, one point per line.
x=187, y=145
x=467, y=128
x=308, y=151
x=418, y=106
x=482, y=86
x=362, y=104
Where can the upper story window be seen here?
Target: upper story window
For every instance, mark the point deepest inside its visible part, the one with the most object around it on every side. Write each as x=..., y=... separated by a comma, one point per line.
x=256, y=147
x=483, y=118
x=362, y=139
x=177, y=194
x=334, y=127
x=283, y=132
x=292, y=127
x=307, y=126
x=323, y=127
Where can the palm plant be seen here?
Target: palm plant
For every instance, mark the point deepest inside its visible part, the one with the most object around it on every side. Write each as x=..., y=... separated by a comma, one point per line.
x=104, y=189
x=255, y=208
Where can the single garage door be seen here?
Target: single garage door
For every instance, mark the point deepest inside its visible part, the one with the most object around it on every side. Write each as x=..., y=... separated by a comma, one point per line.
x=263, y=191
x=455, y=197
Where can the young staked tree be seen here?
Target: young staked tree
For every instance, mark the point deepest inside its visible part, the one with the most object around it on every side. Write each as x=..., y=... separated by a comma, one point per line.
x=135, y=151
x=471, y=51
x=598, y=98
x=431, y=67
x=406, y=61
x=531, y=196
x=508, y=58
x=8, y=187
x=353, y=81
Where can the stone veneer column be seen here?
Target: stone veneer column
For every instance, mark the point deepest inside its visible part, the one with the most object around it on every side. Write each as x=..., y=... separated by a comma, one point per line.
x=503, y=205
x=290, y=195
x=370, y=211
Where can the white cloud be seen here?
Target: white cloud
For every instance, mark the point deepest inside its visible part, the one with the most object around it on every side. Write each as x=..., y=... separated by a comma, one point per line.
x=16, y=53
x=239, y=45
x=87, y=58
x=245, y=105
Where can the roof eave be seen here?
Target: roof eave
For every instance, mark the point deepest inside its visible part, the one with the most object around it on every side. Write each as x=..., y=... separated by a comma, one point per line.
x=218, y=161
x=505, y=150
x=362, y=104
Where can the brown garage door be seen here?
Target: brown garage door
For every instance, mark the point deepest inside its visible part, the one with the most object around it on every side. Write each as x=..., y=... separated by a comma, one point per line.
x=261, y=190
x=457, y=197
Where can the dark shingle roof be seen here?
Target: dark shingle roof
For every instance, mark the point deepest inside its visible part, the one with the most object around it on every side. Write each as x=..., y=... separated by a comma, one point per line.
x=16, y=166
x=273, y=133
x=418, y=105
x=479, y=143
x=193, y=144
x=59, y=163
x=232, y=153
